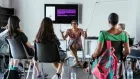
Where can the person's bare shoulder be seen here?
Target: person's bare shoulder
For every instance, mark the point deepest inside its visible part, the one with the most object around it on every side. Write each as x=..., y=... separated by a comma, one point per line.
x=68, y=30
x=126, y=33
x=80, y=28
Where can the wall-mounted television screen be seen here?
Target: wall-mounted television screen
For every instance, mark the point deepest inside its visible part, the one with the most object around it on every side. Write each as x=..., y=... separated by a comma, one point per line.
x=62, y=13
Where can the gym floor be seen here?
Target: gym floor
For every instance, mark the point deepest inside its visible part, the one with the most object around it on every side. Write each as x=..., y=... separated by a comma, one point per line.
x=48, y=68
x=80, y=74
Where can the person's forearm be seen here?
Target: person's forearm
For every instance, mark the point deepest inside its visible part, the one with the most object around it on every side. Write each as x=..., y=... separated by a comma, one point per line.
x=63, y=36
x=126, y=53
x=85, y=34
x=33, y=48
x=94, y=55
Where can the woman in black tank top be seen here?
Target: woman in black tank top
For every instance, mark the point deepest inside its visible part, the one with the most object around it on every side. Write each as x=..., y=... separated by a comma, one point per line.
x=15, y=32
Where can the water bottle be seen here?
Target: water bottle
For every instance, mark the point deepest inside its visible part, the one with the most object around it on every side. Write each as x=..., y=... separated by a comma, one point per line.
x=129, y=72
x=73, y=74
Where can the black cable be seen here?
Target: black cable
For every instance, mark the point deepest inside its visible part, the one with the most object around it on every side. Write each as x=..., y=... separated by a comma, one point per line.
x=112, y=1
x=98, y=3
x=93, y=12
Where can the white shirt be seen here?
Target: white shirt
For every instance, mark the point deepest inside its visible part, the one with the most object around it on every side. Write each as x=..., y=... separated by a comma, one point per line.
x=4, y=32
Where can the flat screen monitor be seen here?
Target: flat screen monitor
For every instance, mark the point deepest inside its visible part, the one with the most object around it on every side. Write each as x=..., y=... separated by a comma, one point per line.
x=62, y=13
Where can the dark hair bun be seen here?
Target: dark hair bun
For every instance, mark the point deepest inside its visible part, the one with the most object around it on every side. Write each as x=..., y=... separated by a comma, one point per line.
x=113, y=19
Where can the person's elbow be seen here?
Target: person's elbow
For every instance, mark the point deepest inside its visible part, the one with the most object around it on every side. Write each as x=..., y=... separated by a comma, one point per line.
x=97, y=53
x=126, y=49
x=64, y=38
x=85, y=36
x=127, y=52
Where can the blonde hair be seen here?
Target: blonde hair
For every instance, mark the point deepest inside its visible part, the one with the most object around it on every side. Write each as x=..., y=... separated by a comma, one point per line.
x=122, y=25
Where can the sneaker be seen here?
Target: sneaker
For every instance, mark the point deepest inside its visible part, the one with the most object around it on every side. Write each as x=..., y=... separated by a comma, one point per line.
x=39, y=75
x=46, y=75
x=56, y=77
x=20, y=64
x=32, y=65
x=75, y=64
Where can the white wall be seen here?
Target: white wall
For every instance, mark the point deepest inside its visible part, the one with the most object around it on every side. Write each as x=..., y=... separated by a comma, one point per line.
x=1, y=2
x=31, y=12
x=138, y=21
x=6, y=3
